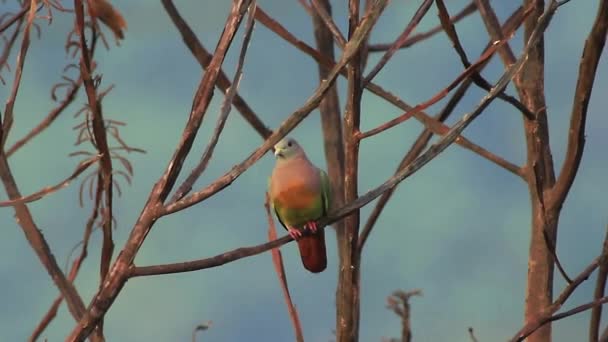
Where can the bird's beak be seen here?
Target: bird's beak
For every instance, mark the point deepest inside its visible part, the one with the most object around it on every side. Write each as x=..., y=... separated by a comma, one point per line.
x=277, y=151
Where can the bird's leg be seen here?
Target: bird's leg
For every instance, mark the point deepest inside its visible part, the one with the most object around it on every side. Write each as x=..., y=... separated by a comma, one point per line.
x=295, y=233
x=312, y=226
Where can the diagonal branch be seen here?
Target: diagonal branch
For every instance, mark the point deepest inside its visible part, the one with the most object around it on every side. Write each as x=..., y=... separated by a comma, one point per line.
x=420, y=13
x=204, y=59
x=47, y=121
x=80, y=168
x=277, y=261
x=186, y=186
x=416, y=38
x=100, y=140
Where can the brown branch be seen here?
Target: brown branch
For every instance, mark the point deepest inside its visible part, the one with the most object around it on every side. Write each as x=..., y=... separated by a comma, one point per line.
x=466, y=11
x=581, y=308
x=38, y=243
x=600, y=286
x=347, y=293
x=52, y=312
x=195, y=174
x=80, y=168
x=204, y=59
x=322, y=12
x=100, y=141
x=7, y=121
x=481, y=82
x=15, y=18
x=435, y=98
x=277, y=261
x=47, y=121
x=594, y=45
x=435, y=126
x=541, y=319
x=420, y=13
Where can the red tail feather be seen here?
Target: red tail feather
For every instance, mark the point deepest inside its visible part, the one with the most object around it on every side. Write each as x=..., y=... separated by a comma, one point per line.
x=312, y=251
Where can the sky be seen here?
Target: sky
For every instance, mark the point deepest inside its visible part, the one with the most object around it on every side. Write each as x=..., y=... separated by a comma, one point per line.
x=458, y=228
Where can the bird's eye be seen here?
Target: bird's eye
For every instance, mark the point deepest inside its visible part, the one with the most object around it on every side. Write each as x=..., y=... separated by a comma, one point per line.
x=289, y=144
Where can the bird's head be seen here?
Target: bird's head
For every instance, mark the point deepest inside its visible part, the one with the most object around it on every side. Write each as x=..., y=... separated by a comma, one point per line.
x=287, y=148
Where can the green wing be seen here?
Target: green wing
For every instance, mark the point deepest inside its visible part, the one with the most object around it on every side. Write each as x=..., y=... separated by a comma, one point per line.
x=325, y=191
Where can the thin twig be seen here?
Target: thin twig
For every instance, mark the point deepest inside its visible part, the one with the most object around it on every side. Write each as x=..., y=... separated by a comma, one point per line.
x=419, y=37
x=195, y=174
x=600, y=287
x=80, y=168
x=204, y=59
x=420, y=13
x=277, y=261
x=47, y=121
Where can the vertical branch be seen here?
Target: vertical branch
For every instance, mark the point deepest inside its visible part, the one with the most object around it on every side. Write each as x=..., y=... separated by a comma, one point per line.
x=600, y=286
x=277, y=261
x=541, y=177
x=347, y=296
x=332, y=131
x=100, y=139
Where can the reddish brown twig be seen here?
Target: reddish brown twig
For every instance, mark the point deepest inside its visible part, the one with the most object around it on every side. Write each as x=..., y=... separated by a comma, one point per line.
x=80, y=168
x=481, y=82
x=435, y=98
x=47, y=121
x=600, y=286
x=100, y=140
x=7, y=120
x=52, y=312
x=420, y=13
x=277, y=261
x=321, y=12
x=204, y=58
x=16, y=17
x=419, y=37
x=195, y=174
x=592, y=51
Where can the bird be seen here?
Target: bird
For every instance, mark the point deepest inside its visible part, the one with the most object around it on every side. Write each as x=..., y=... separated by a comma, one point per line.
x=299, y=193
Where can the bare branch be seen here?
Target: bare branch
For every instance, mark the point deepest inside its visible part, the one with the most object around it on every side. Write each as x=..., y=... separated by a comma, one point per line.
x=277, y=261
x=594, y=45
x=420, y=13
x=204, y=59
x=416, y=38
x=186, y=186
x=80, y=168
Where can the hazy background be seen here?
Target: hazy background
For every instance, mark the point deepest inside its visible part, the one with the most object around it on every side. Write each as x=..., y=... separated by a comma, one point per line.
x=458, y=229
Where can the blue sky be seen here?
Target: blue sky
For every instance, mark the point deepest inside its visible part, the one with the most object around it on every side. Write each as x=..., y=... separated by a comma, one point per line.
x=458, y=229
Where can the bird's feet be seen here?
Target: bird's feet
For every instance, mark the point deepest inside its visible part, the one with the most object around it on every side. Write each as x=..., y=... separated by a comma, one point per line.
x=295, y=233
x=312, y=226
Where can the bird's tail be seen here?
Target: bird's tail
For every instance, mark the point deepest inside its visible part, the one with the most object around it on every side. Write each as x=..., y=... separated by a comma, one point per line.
x=312, y=251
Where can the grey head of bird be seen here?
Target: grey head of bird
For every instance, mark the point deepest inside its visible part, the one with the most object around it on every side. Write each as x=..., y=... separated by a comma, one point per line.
x=288, y=148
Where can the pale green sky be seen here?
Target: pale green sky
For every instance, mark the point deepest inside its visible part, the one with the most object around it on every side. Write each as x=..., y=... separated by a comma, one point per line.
x=458, y=229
